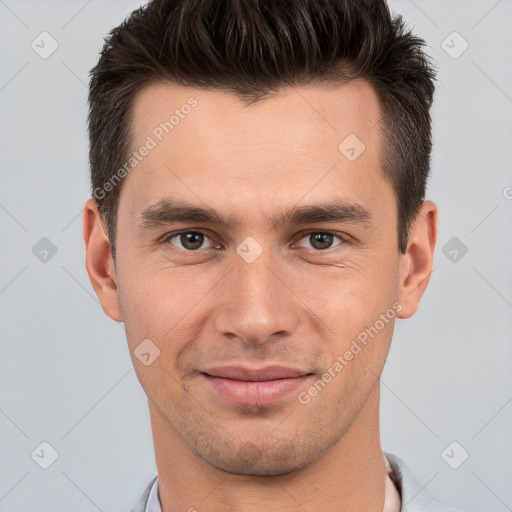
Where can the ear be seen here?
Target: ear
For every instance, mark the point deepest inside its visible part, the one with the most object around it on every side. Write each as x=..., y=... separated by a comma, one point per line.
x=416, y=262
x=98, y=261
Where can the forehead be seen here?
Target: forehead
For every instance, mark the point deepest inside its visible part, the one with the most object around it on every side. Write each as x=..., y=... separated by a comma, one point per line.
x=207, y=146
x=310, y=114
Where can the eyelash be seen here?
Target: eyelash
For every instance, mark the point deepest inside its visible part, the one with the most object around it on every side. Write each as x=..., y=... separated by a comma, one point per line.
x=342, y=239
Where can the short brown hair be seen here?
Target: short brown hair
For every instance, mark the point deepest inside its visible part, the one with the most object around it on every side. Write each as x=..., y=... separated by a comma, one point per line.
x=252, y=48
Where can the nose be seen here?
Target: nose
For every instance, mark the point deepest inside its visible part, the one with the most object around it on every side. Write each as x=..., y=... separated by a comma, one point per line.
x=256, y=303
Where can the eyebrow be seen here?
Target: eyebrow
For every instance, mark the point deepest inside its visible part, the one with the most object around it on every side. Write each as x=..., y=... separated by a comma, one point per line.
x=168, y=211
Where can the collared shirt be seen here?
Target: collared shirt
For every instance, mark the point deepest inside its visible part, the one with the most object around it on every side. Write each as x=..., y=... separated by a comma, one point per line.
x=392, y=502
x=153, y=504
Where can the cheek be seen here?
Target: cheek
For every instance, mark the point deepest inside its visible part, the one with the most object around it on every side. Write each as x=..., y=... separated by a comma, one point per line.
x=352, y=298
x=152, y=311
x=359, y=311
x=148, y=305
x=165, y=306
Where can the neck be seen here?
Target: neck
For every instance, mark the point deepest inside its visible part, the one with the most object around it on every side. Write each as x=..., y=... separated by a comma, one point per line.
x=350, y=476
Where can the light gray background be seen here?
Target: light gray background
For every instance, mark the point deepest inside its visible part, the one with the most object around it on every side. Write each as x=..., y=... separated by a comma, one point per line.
x=66, y=376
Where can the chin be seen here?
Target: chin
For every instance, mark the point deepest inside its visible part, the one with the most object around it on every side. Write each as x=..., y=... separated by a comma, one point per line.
x=249, y=459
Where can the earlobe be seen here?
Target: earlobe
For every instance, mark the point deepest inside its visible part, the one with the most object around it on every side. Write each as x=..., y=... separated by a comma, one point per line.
x=416, y=263
x=98, y=261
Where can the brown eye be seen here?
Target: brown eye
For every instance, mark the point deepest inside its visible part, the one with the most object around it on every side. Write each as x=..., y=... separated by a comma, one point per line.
x=188, y=240
x=321, y=240
x=191, y=241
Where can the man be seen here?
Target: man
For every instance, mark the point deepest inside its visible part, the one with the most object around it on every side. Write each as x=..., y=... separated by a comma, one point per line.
x=258, y=222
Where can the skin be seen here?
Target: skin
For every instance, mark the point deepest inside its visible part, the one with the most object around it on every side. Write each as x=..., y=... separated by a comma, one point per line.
x=298, y=304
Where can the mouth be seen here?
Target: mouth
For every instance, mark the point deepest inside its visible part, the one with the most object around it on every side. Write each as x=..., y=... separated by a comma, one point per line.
x=255, y=387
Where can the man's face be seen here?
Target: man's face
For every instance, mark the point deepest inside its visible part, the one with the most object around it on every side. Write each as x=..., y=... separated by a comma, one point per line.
x=266, y=288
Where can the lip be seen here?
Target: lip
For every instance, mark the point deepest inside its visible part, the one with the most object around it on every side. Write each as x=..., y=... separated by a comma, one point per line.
x=255, y=387
x=255, y=374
